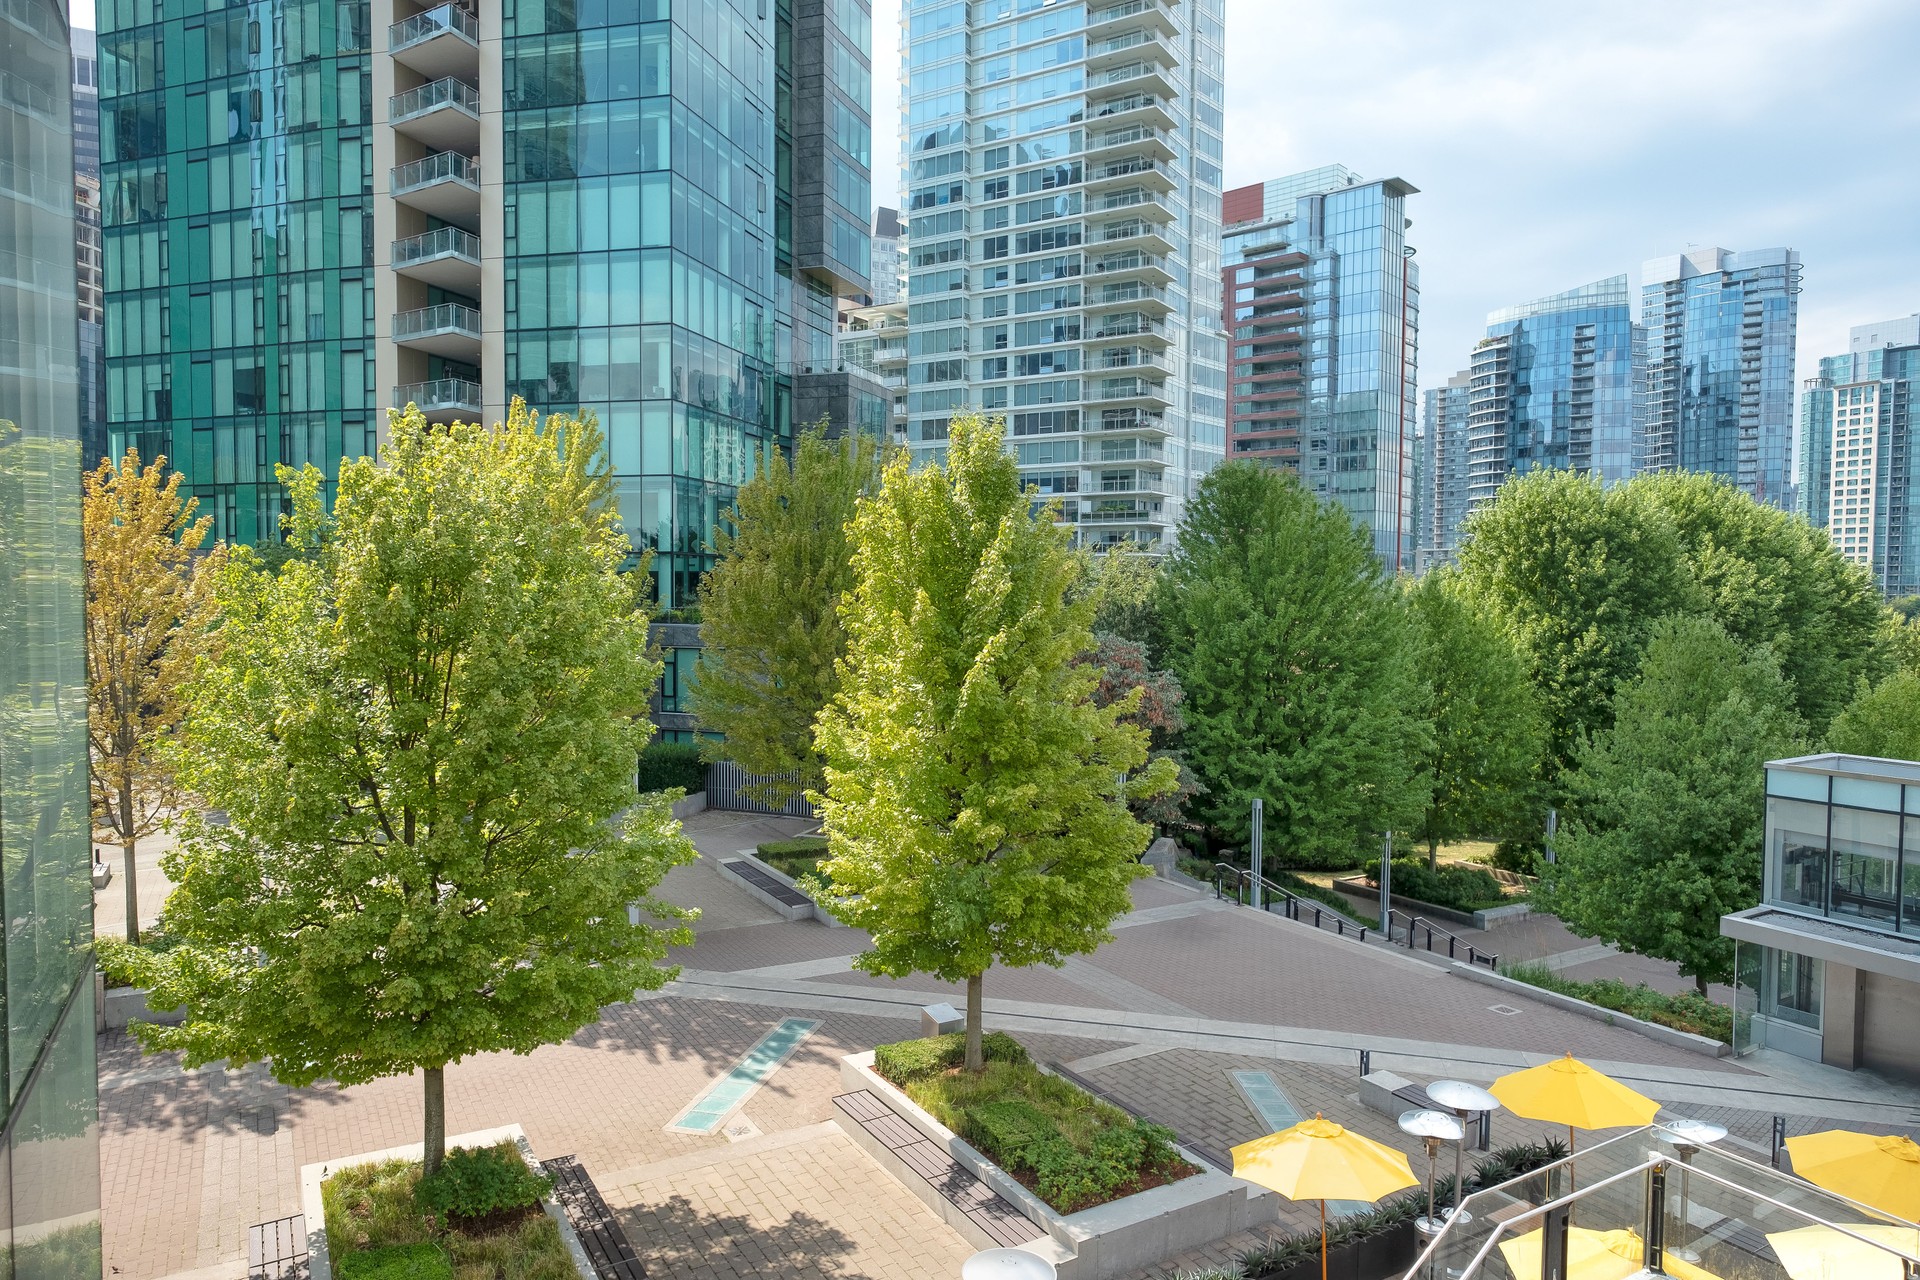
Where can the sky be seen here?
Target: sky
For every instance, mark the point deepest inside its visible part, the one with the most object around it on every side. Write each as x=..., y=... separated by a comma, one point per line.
x=1555, y=144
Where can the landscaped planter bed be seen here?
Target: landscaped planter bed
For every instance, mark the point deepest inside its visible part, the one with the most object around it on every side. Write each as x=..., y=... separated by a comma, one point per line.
x=366, y=1201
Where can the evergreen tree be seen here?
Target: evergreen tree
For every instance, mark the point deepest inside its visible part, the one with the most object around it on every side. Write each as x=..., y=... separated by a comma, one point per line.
x=1668, y=803
x=971, y=800
x=1292, y=647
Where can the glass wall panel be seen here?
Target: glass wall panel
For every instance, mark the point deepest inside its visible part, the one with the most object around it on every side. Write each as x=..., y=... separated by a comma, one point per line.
x=1910, y=877
x=1797, y=853
x=1793, y=988
x=1865, y=847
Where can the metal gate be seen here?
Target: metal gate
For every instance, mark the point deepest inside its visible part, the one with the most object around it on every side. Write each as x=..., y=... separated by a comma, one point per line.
x=727, y=785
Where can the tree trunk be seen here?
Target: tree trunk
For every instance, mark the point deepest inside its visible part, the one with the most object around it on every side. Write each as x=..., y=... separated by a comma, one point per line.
x=436, y=1143
x=1700, y=985
x=126, y=849
x=975, y=1059
x=1433, y=855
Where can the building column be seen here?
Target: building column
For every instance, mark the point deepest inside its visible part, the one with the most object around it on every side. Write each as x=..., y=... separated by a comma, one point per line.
x=1840, y=1016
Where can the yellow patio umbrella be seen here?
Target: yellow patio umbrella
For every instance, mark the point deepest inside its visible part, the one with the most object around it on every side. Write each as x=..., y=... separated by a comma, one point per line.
x=1881, y=1172
x=1567, y=1091
x=1822, y=1253
x=1320, y=1160
x=1593, y=1255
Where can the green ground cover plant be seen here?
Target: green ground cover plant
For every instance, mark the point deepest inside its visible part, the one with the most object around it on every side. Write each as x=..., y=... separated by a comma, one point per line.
x=800, y=856
x=384, y=1222
x=1689, y=1011
x=1458, y=887
x=1069, y=1148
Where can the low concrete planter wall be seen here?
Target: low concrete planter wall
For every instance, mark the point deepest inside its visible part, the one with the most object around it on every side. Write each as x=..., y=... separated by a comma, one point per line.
x=320, y=1262
x=1101, y=1243
x=121, y=1005
x=1587, y=1009
x=1369, y=896
x=691, y=803
x=812, y=911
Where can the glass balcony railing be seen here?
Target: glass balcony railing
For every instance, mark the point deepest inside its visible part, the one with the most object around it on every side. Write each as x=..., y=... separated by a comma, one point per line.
x=439, y=167
x=440, y=393
x=444, y=92
x=447, y=317
x=438, y=243
x=425, y=26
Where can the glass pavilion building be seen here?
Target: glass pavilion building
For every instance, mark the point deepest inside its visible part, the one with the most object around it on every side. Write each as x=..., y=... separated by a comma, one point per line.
x=1062, y=169
x=316, y=210
x=1720, y=350
x=49, y=1126
x=1323, y=314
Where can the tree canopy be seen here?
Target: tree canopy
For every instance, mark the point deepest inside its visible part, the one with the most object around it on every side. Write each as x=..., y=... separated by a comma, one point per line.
x=423, y=738
x=1668, y=803
x=770, y=629
x=1882, y=720
x=1292, y=647
x=972, y=802
x=1487, y=732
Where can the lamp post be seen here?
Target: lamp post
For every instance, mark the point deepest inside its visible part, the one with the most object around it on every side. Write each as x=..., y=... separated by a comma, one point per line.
x=1687, y=1137
x=1432, y=1128
x=1253, y=846
x=1386, y=891
x=1463, y=1100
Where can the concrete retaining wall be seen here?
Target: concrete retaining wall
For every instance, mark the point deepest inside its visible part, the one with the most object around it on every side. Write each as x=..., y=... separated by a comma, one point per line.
x=690, y=804
x=1101, y=1243
x=1652, y=1030
x=122, y=1005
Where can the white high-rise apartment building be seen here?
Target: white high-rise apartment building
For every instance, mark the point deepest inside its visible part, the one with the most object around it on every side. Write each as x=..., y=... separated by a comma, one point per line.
x=1062, y=168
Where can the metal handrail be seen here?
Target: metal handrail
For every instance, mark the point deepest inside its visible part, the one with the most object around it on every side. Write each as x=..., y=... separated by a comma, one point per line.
x=441, y=164
x=424, y=26
x=1474, y=954
x=445, y=315
x=444, y=92
x=431, y=244
x=1294, y=904
x=439, y=391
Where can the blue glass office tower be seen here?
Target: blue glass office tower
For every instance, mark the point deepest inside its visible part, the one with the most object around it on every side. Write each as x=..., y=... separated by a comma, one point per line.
x=1858, y=477
x=49, y=1139
x=1443, y=472
x=1557, y=382
x=1720, y=349
x=1324, y=323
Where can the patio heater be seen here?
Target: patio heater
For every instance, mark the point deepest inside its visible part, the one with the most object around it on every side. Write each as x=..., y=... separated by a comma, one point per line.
x=1463, y=1100
x=1432, y=1128
x=1687, y=1137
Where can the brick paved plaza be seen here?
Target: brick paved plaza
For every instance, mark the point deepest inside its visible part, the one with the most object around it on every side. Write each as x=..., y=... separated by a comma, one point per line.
x=1189, y=990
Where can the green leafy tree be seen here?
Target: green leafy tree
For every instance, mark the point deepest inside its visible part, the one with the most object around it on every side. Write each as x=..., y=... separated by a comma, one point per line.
x=1154, y=696
x=1292, y=647
x=1124, y=582
x=1668, y=804
x=971, y=800
x=1882, y=720
x=423, y=737
x=1578, y=577
x=1487, y=732
x=1771, y=578
x=770, y=629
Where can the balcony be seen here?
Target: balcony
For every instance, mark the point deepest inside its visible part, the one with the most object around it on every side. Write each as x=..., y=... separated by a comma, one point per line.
x=1129, y=324
x=443, y=41
x=449, y=329
x=1140, y=393
x=1145, y=205
x=1145, y=267
x=442, y=400
x=446, y=185
x=444, y=115
x=1134, y=233
x=1149, y=175
x=1130, y=47
x=1141, y=140
x=1135, y=108
x=447, y=257
x=1145, y=297
x=1138, y=359
x=1136, y=421
x=1118, y=511
x=1146, y=15
x=1146, y=77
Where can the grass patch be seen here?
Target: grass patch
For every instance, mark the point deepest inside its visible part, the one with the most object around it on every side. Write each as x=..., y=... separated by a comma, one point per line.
x=1688, y=1011
x=376, y=1229
x=800, y=856
x=1066, y=1146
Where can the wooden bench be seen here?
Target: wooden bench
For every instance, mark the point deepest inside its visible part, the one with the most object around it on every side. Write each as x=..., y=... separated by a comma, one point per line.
x=962, y=1188
x=600, y=1233
x=786, y=895
x=277, y=1250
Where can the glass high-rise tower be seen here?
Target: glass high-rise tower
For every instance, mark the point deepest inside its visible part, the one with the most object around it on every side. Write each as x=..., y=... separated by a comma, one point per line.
x=49, y=1125
x=1858, y=476
x=1324, y=317
x=1062, y=169
x=1443, y=472
x=1720, y=348
x=316, y=210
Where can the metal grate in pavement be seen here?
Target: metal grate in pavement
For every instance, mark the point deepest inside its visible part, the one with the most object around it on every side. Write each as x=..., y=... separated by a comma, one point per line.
x=786, y=895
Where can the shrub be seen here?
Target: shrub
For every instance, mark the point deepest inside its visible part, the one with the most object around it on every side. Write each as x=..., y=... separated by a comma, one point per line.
x=1008, y=1129
x=665, y=765
x=476, y=1182
x=1458, y=887
x=1522, y=857
x=911, y=1060
x=120, y=961
x=797, y=857
x=396, y=1262
x=1689, y=1011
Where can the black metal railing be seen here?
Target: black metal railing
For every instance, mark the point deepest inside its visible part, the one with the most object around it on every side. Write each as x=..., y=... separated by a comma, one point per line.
x=1281, y=901
x=1426, y=930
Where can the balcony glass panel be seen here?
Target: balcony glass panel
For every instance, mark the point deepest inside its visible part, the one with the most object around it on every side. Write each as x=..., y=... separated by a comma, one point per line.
x=444, y=164
x=441, y=93
x=424, y=26
x=1797, y=852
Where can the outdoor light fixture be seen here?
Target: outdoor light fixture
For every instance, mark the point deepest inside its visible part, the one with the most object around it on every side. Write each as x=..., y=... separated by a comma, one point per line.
x=1463, y=1100
x=1433, y=1128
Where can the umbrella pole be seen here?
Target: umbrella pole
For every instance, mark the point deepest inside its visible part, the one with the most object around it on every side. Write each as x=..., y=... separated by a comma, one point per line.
x=1323, y=1240
x=1572, y=1173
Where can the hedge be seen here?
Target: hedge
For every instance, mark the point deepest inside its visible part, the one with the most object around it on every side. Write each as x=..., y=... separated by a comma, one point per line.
x=1449, y=885
x=665, y=765
x=911, y=1060
x=1688, y=1011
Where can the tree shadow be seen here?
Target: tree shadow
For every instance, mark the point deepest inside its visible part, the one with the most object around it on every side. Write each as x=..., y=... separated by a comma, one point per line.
x=675, y=1238
x=206, y=1103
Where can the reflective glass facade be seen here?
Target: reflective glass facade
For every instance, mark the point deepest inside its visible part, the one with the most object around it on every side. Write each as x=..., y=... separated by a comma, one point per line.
x=1857, y=476
x=49, y=1154
x=1443, y=472
x=1352, y=298
x=235, y=177
x=1558, y=382
x=1720, y=350
x=1062, y=171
